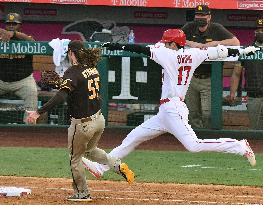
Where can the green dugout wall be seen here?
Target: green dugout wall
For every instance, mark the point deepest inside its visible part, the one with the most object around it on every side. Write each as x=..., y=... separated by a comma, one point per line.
x=140, y=82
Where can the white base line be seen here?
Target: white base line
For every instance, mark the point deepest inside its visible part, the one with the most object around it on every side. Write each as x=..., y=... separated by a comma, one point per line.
x=155, y=199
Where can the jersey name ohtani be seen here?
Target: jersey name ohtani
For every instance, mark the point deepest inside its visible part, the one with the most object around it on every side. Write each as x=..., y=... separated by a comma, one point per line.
x=184, y=59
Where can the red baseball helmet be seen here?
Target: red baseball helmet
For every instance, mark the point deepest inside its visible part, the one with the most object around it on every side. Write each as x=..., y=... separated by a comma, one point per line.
x=174, y=35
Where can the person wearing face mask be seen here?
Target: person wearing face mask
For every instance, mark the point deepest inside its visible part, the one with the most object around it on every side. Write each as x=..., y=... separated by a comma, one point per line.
x=16, y=69
x=202, y=33
x=254, y=82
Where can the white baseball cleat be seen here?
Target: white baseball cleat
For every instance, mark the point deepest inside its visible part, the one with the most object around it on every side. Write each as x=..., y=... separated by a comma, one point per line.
x=249, y=154
x=91, y=167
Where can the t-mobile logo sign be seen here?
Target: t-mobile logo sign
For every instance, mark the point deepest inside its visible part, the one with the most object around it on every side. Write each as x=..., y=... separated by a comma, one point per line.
x=190, y=3
x=141, y=77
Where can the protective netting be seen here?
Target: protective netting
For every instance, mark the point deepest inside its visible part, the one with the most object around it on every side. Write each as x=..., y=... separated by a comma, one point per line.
x=131, y=92
x=134, y=90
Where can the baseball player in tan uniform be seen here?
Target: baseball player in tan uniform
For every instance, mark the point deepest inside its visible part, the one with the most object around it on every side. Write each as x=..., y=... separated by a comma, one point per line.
x=178, y=66
x=81, y=88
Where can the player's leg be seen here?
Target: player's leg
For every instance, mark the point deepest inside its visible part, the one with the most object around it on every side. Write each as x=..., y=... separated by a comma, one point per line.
x=26, y=89
x=92, y=152
x=255, y=113
x=193, y=101
x=185, y=134
x=3, y=87
x=205, y=96
x=100, y=156
x=77, y=147
x=146, y=131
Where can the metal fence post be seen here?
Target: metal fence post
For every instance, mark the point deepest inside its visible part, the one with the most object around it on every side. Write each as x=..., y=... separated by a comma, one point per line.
x=103, y=68
x=216, y=95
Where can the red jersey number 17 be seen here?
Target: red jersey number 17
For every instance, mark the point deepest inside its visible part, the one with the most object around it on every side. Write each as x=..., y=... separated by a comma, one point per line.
x=182, y=70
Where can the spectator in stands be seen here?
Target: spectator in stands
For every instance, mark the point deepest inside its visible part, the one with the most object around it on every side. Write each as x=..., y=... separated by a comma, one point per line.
x=254, y=83
x=202, y=33
x=16, y=70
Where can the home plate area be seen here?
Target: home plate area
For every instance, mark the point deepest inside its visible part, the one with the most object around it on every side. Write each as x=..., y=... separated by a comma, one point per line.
x=47, y=191
x=14, y=191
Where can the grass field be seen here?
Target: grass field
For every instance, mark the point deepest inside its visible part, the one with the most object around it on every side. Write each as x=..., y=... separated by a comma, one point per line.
x=149, y=166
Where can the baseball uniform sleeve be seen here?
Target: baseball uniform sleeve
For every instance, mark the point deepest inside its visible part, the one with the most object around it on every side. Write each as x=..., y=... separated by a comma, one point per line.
x=198, y=55
x=69, y=80
x=160, y=54
x=60, y=97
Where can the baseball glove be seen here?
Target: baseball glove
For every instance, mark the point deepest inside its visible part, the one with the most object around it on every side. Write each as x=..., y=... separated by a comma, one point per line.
x=49, y=80
x=228, y=101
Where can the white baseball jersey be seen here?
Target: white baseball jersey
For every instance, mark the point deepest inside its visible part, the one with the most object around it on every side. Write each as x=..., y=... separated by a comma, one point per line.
x=178, y=68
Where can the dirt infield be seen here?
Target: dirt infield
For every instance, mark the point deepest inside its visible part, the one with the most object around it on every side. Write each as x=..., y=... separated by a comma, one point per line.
x=54, y=191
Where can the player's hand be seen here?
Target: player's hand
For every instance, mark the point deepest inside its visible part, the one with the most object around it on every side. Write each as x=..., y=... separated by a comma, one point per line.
x=32, y=117
x=198, y=45
x=230, y=100
x=211, y=44
x=251, y=50
x=5, y=35
x=222, y=51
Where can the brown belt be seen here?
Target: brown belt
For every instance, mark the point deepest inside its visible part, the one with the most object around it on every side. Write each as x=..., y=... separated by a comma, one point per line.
x=87, y=119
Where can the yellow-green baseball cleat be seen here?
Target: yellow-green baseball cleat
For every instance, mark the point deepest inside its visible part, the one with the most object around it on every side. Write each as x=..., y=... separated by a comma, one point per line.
x=126, y=173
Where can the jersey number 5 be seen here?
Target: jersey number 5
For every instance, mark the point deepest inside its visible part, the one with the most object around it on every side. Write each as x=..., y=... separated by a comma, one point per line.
x=93, y=86
x=181, y=71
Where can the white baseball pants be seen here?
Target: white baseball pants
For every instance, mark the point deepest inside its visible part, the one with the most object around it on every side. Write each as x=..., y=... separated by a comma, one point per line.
x=173, y=118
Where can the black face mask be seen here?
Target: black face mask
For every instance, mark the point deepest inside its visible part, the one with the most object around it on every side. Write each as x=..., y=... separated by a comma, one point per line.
x=200, y=22
x=259, y=37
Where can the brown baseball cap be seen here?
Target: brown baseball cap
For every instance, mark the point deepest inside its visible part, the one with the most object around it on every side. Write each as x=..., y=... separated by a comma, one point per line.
x=260, y=22
x=202, y=9
x=76, y=45
x=13, y=18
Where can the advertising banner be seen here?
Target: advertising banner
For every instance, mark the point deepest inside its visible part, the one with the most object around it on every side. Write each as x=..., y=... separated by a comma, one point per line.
x=214, y=4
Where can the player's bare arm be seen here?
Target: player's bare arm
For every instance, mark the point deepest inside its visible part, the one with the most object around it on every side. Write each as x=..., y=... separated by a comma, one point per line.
x=227, y=42
x=193, y=44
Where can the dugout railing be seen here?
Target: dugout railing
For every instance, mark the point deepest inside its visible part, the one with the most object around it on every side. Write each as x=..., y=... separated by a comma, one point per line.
x=152, y=96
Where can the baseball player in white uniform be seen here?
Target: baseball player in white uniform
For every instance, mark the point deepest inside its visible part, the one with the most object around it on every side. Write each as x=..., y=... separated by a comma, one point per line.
x=178, y=66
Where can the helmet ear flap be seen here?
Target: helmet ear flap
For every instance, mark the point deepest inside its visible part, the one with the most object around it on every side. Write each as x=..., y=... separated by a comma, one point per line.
x=179, y=46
